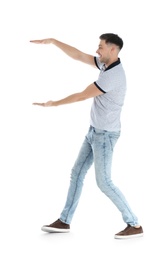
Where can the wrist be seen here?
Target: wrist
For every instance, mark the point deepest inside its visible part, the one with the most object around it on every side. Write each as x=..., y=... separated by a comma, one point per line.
x=52, y=40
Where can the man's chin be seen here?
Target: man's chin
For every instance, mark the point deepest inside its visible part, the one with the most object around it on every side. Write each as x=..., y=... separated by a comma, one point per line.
x=100, y=59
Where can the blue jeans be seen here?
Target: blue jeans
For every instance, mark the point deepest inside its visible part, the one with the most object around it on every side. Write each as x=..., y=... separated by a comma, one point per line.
x=98, y=148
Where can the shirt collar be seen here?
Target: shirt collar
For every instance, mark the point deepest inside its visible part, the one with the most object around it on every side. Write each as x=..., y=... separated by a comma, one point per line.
x=113, y=64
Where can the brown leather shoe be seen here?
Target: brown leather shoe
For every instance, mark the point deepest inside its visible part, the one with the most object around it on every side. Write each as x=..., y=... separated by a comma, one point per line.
x=130, y=232
x=56, y=227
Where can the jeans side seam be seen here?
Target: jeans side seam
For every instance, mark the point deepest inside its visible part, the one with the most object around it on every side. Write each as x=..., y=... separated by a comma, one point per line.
x=76, y=184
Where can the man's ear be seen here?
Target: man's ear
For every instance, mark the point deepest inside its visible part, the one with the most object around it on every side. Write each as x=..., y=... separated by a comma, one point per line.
x=112, y=47
x=115, y=48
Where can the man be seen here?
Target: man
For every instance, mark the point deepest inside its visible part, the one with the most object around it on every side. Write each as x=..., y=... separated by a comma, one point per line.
x=108, y=93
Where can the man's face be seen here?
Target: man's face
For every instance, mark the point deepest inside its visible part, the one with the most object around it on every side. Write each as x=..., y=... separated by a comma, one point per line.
x=104, y=52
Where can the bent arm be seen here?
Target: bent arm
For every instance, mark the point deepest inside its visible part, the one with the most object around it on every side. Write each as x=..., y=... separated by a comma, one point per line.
x=89, y=92
x=69, y=50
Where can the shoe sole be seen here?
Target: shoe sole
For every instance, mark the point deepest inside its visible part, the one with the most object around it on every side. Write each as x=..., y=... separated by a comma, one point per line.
x=129, y=236
x=54, y=230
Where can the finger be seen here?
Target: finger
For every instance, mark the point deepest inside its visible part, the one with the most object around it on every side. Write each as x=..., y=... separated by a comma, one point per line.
x=39, y=104
x=37, y=41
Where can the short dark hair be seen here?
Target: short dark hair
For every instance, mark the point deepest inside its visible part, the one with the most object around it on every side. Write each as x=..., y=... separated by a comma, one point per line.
x=112, y=38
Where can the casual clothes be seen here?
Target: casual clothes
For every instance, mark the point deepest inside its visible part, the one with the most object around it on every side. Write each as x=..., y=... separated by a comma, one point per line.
x=99, y=144
x=106, y=108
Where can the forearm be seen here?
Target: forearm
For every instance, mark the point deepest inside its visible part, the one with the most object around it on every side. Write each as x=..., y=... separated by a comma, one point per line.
x=67, y=49
x=70, y=99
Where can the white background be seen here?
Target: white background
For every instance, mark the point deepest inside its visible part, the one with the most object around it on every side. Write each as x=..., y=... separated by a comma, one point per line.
x=38, y=146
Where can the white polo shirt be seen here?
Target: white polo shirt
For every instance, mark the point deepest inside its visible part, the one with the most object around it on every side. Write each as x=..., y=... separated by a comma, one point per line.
x=106, y=108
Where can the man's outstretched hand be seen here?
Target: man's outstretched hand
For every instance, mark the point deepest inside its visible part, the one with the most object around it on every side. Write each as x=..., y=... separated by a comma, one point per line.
x=43, y=41
x=47, y=104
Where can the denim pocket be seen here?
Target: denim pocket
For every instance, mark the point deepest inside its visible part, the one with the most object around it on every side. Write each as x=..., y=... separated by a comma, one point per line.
x=99, y=131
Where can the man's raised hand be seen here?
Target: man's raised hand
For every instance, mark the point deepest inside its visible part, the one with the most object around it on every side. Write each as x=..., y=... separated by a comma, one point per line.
x=43, y=41
x=47, y=104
